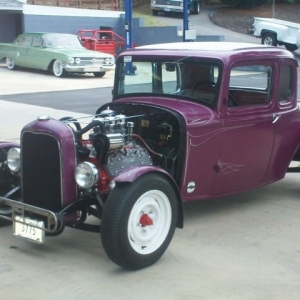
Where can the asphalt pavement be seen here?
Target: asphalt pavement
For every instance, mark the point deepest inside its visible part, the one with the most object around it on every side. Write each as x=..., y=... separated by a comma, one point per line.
x=243, y=247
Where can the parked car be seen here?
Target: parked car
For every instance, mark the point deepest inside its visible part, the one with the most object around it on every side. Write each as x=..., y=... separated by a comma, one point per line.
x=174, y=6
x=195, y=121
x=56, y=52
x=102, y=40
x=275, y=32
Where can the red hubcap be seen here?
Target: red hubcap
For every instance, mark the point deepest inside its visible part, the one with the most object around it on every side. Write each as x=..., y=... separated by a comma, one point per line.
x=145, y=220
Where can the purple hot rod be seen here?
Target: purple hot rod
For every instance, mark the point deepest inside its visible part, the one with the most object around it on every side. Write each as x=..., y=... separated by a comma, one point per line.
x=188, y=121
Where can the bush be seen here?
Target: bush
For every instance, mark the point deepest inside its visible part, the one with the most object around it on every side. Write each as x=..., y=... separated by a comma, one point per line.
x=253, y=3
x=243, y=3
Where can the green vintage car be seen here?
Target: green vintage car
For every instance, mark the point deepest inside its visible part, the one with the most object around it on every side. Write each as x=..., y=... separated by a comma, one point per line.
x=56, y=52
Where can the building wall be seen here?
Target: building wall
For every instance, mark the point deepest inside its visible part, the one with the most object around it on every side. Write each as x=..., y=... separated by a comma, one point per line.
x=37, y=18
x=62, y=20
x=10, y=26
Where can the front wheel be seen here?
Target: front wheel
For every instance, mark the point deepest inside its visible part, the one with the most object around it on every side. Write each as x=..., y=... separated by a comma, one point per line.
x=58, y=69
x=99, y=74
x=269, y=39
x=139, y=221
x=10, y=63
x=4, y=222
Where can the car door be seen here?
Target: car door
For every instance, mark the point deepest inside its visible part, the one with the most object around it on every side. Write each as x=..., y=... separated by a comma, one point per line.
x=286, y=121
x=248, y=129
x=36, y=54
x=22, y=46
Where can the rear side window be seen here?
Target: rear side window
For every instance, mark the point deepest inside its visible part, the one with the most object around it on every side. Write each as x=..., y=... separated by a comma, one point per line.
x=285, y=83
x=37, y=41
x=250, y=85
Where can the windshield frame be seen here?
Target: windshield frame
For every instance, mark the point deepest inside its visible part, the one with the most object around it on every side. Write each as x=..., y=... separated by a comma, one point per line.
x=205, y=68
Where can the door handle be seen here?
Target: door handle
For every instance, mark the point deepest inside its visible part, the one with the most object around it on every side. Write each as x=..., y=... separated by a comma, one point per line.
x=276, y=118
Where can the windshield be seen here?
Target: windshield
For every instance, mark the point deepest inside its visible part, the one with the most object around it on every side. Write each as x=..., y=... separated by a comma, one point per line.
x=61, y=41
x=186, y=77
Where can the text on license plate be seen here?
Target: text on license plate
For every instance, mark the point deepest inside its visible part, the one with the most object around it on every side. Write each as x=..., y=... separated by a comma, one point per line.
x=27, y=230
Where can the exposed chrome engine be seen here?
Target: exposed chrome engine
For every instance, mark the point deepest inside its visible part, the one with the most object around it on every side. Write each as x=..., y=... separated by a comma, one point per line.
x=127, y=136
x=123, y=149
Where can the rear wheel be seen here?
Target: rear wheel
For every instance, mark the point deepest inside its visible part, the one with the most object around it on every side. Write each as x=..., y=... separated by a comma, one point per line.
x=196, y=8
x=139, y=221
x=269, y=39
x=58, y=69
x=291, y=47
x=154, y=12
x=10, y=63
x=99, y=74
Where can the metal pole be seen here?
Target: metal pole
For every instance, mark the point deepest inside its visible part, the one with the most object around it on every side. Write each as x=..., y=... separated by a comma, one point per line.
x=185, y=18
x=128, y=34
x=128, y=21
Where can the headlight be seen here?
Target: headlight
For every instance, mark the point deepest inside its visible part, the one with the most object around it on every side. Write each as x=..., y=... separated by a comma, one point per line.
x=86, y=175
x=71, y=60
x=77, y=60
x=109, y=60
x=13, y=159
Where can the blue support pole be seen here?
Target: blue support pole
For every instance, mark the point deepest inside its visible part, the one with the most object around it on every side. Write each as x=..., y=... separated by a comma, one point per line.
x=128, y=33
x=128, y=21
x=185, y=18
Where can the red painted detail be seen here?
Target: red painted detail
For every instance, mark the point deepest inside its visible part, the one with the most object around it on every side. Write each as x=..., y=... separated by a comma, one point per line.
x=145, y=220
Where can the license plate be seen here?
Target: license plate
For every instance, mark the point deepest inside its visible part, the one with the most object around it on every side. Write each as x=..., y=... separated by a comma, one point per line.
x=28, y=230
x=167, y=9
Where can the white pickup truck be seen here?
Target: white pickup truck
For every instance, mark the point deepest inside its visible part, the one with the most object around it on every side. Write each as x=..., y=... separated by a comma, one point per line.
x=277, y=32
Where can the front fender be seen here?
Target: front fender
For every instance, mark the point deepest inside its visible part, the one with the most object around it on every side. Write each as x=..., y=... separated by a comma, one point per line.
x=6, y=144
x=131, y=174
x=9, y=182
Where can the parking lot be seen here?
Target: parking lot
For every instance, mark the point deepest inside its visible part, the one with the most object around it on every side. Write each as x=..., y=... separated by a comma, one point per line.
x=240, y=247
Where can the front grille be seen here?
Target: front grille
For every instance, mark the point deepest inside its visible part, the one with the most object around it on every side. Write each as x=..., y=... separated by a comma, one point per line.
x=41, y=171
x=168, y=2
x=93, y=61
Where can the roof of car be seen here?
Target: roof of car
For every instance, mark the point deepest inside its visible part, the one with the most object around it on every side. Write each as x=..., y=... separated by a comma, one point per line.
x=221, y=50
x=220, y=46
x=43, y=33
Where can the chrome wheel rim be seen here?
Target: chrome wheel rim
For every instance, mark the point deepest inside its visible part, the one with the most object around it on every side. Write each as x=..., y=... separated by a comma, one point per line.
x=57, y=68
x=10, y=63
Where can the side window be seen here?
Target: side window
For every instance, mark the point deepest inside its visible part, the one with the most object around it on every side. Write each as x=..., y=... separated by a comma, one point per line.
x=285, y=83
x=25, y=40
x=37, y=41
x=250, y=85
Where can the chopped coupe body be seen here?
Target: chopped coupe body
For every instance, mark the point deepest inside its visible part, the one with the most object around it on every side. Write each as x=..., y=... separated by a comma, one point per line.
x=56, y=52
x=188, y=121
